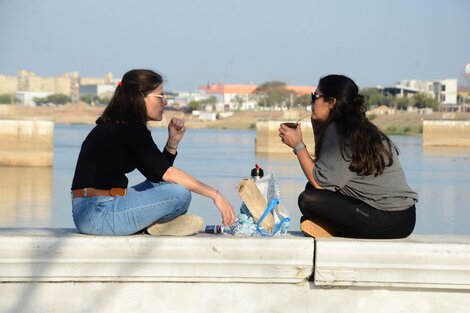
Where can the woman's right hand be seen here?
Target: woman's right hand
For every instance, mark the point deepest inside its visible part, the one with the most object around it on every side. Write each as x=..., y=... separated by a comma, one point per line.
x=290, y=136
x=225, y=208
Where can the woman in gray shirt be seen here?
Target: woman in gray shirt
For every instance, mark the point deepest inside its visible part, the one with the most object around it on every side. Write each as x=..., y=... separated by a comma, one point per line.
x=356, y=186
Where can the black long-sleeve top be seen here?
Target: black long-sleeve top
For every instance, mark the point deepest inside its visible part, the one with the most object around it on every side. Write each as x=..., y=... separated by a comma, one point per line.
x=111, y=150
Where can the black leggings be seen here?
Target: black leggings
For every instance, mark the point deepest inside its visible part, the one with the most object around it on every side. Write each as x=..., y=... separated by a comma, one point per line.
x=350, y=217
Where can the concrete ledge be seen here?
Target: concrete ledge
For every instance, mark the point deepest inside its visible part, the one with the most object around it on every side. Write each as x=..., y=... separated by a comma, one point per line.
x=427, y=262
x=63, y=255
x=59, y=270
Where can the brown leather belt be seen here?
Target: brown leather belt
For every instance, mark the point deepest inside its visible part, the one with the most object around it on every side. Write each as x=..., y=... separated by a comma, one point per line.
x=93, y=192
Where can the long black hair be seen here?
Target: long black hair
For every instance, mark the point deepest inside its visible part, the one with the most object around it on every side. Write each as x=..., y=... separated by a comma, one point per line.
x=128, y=99
x=368, y=149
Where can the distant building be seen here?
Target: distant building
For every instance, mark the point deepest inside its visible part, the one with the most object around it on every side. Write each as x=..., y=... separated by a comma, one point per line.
x=98, y=90
x=8, y=84
x=107, y=79
x=26, y=98
x=27, y=82
x=232, y=96
x=184, y=97
x=398, y=91
x=445, y=91
x=238, y=96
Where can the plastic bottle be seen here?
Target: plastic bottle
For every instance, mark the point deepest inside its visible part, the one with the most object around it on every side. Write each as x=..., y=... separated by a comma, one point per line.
x=257, y=172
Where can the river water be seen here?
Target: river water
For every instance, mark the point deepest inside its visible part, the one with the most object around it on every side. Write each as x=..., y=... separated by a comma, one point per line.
x=40, y=197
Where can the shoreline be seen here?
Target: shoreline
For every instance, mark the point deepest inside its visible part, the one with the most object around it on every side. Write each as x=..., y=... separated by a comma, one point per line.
x=402, y=123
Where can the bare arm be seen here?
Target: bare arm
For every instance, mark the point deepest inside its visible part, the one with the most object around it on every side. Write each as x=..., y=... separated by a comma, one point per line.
x=307, y=165
x=175, y=175
x=292, y=137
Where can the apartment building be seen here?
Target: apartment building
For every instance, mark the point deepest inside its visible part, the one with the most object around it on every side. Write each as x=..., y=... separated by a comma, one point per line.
x=445, y=91
x=8, y=84
x=27, y=84
x=29, y=81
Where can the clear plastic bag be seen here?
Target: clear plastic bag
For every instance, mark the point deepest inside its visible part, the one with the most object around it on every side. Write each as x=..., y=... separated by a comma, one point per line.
x=254, y=220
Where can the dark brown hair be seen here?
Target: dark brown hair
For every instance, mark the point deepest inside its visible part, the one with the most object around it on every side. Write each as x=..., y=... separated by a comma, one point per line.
x=128, y=99
x=367, y=148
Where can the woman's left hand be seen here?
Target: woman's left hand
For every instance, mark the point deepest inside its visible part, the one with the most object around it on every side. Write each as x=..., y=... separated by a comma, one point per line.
x=176, y=131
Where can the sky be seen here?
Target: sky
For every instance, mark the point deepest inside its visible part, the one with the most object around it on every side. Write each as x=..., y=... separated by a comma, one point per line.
x=193, y=43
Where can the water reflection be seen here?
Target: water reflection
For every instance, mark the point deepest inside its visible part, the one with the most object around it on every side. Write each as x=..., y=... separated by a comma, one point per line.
x=26, y=194
x=447, y=151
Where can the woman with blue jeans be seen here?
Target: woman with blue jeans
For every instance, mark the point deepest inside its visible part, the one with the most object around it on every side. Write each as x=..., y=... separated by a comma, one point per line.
x=118, y=144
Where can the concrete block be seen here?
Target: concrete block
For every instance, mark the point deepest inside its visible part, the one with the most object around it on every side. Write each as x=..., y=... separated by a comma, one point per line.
x=269, y=142
x=427, y=262
x=26, y=143
x=446, y=133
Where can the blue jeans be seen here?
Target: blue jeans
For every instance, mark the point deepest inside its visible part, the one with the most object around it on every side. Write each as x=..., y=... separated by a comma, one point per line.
x=144, y=204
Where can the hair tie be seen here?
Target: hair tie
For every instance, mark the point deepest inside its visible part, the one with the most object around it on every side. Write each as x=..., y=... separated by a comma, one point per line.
x=119, y=84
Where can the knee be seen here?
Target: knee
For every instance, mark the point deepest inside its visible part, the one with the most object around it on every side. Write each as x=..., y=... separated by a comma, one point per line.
x=182, y=192
x=302, y=202
x=184, y=195
x=308, y=201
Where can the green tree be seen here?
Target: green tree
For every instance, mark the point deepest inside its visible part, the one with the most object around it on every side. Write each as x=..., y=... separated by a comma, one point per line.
x=105, y=100
x=199, y=105
x=210, y=100
x=273, y=93
x=239, y=101
x=303, y=100
x=194, y=105
x=57, y=99
x=7, y=98
x=402, y=103
x=374, y=97
x=422, y=100
x=90, y=99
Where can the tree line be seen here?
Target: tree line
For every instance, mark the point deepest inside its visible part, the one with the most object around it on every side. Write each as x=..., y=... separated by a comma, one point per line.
x=54, y=99
x=275, y=93
x=374, y=98
x=268, y=95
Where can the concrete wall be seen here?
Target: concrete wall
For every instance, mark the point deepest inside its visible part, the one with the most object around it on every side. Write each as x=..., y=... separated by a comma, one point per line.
x=446, y=133
x=268, y=140
x=59, y=270
x=26, y=143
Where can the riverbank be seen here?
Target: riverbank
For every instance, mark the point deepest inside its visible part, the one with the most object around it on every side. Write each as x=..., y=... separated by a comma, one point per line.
x=81, y=113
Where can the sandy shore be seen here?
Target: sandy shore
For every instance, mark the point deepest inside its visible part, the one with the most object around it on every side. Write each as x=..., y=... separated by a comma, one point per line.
x=81, y=113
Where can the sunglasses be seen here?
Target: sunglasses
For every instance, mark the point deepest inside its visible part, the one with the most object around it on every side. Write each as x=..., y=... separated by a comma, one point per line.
x=161, y=96
x=316, y=96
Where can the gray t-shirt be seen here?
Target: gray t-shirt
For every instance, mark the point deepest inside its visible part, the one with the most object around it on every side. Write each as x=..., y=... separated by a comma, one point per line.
x=389, y=191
